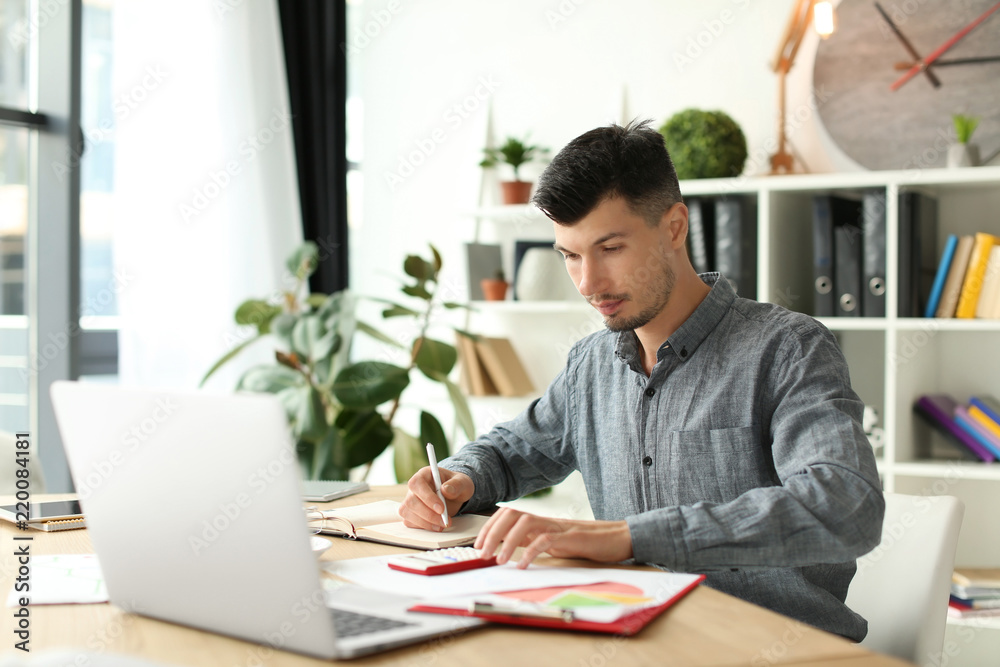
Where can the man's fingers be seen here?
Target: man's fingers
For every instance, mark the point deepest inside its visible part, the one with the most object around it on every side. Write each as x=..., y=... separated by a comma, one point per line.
x=538, y=546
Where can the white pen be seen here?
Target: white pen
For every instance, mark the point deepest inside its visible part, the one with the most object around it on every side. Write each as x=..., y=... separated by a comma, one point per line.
x=432, y=458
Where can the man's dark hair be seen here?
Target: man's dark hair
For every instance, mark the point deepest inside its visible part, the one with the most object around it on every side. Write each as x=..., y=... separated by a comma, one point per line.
x=614, y=161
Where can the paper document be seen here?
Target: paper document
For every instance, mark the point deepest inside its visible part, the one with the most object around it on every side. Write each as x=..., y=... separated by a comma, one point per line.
x=617, y=593
x=375, y=573
x=63, y=579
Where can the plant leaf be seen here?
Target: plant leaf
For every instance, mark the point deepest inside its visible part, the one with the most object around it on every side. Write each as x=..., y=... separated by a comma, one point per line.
x=270, y=379
x=416, y=267
x=451, y=305
x=365, y=435
x=316, y=300
x=438, y=262
x=418, y=291
x=257, y=313
x=369, y=383
x=307, y=331
x=463, y=415
x=282, y=327
x=408, y=455
x=304, y=261
x=435, y=357
x=431, y=432
x=227, y=356
x=378, y=335
x=310, y=418
x=397, y=311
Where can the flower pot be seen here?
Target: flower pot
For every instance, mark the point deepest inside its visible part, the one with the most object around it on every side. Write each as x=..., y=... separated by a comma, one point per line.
x=493, y=289
x=516, y=192
x=963, y=155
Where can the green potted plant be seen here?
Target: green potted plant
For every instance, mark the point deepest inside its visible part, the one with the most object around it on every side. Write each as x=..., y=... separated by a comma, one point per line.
x=341, y=413
x=964, y=153
x=515, y=153
x=705, y=144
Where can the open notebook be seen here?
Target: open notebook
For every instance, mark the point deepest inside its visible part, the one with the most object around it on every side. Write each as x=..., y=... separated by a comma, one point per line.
x=379, y=522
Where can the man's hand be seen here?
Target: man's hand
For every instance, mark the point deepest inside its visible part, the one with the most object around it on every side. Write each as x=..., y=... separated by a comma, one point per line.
x=422, y=508
x=604, y=541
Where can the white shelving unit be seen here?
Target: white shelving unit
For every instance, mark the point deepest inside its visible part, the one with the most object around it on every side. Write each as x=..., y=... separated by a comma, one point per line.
x=893, y=360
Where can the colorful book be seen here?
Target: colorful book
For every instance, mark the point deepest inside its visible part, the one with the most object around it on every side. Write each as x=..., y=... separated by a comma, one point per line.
x=938, y=410
x=972, y=286
x=974, y=603
x=986, y=410
x=977, y=577
x=956, y=274
x=989, y=298
x=977, y=430
x=941, y=275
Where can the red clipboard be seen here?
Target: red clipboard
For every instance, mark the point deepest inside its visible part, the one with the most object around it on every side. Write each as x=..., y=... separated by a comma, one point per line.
x=626, y=625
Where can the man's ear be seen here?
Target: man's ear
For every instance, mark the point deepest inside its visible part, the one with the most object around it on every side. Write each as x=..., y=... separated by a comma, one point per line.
x=675, y=225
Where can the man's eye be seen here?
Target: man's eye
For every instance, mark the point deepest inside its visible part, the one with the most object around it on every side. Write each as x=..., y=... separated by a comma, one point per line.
x=615, y=248
x=569, y=256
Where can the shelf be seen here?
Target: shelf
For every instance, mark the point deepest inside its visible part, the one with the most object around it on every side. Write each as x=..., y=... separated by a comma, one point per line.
x=985, y=622
x=532, y=307
x=975, y=176
x=946, y=324
x=853, y=323
x=969, y=470
x=510, y=213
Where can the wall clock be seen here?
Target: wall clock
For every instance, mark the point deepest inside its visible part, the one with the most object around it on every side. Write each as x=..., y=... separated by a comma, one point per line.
x=909, y=127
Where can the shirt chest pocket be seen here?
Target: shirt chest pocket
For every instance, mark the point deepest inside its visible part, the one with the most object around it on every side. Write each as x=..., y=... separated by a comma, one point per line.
x=713, y=465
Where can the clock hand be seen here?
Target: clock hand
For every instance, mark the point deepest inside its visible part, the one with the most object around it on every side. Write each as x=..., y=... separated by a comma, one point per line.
x=906, y=44
x=955, y=61
x=955, y=39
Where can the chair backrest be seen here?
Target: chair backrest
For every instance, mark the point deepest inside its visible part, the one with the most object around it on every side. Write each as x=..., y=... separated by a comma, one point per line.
x=902, y=585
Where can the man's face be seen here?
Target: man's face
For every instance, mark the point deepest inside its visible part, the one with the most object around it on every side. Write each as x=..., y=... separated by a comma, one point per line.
x=619, y=263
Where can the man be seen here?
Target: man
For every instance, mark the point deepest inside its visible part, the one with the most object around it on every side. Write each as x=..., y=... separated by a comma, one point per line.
x=715, y=434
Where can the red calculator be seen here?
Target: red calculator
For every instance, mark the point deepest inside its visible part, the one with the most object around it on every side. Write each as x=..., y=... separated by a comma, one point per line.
x=442, y=561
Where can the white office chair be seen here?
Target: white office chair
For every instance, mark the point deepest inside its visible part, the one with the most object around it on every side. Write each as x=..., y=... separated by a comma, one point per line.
x=902, y=586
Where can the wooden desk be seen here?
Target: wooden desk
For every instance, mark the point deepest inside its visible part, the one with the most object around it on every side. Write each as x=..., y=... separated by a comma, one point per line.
x=705, y=628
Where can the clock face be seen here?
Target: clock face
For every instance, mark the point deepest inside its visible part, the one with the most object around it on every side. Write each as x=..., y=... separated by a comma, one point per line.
x=910, y=127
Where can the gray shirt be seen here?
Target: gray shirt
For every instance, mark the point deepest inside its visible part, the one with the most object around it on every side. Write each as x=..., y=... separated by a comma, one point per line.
x=741, y=456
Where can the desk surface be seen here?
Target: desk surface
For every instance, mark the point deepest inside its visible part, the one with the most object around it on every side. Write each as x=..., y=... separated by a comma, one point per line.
x=705, y=628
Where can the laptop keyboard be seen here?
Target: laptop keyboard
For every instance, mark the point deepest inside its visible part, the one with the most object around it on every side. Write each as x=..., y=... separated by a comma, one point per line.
x=353, y=624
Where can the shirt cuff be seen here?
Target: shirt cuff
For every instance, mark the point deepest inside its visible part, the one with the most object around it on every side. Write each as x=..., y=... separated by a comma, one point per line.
x=655, y=538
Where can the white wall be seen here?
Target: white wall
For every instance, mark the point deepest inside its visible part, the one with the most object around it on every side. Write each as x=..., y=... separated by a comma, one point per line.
x=430, y=69
x=554, y=69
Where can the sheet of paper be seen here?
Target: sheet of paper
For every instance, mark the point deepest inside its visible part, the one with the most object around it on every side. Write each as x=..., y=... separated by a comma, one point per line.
x=375, y=573
x=63, y=579
x=620, y=592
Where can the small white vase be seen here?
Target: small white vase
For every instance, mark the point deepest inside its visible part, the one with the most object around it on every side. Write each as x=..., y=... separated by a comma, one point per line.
x=541, y=276
x=963, y=155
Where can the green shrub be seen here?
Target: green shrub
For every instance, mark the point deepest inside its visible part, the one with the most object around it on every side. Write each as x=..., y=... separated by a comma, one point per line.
x=705, y=144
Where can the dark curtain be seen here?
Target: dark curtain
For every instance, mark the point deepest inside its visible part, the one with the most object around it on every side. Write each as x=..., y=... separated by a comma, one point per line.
x=313, y=32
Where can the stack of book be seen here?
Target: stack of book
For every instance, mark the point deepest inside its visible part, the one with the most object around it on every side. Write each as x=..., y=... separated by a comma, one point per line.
x=975, y=592
x=490, y=366
x=974, y=429
x=967, y=282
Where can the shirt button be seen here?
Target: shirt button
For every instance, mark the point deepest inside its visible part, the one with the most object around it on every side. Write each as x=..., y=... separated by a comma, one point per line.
x=648, y=461
x=684, y=353
x=650, y=391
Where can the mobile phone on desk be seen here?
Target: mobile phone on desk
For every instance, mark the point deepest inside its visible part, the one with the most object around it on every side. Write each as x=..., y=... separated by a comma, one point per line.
x=442, y=561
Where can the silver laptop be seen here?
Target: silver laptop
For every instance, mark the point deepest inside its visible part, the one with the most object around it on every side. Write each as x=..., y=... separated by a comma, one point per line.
x=194, y=506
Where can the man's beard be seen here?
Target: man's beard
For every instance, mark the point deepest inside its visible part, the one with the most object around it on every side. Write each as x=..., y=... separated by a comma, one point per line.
x=662, y=290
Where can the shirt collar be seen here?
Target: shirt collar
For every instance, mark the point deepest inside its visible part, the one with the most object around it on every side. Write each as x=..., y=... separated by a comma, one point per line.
x=695, y=328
